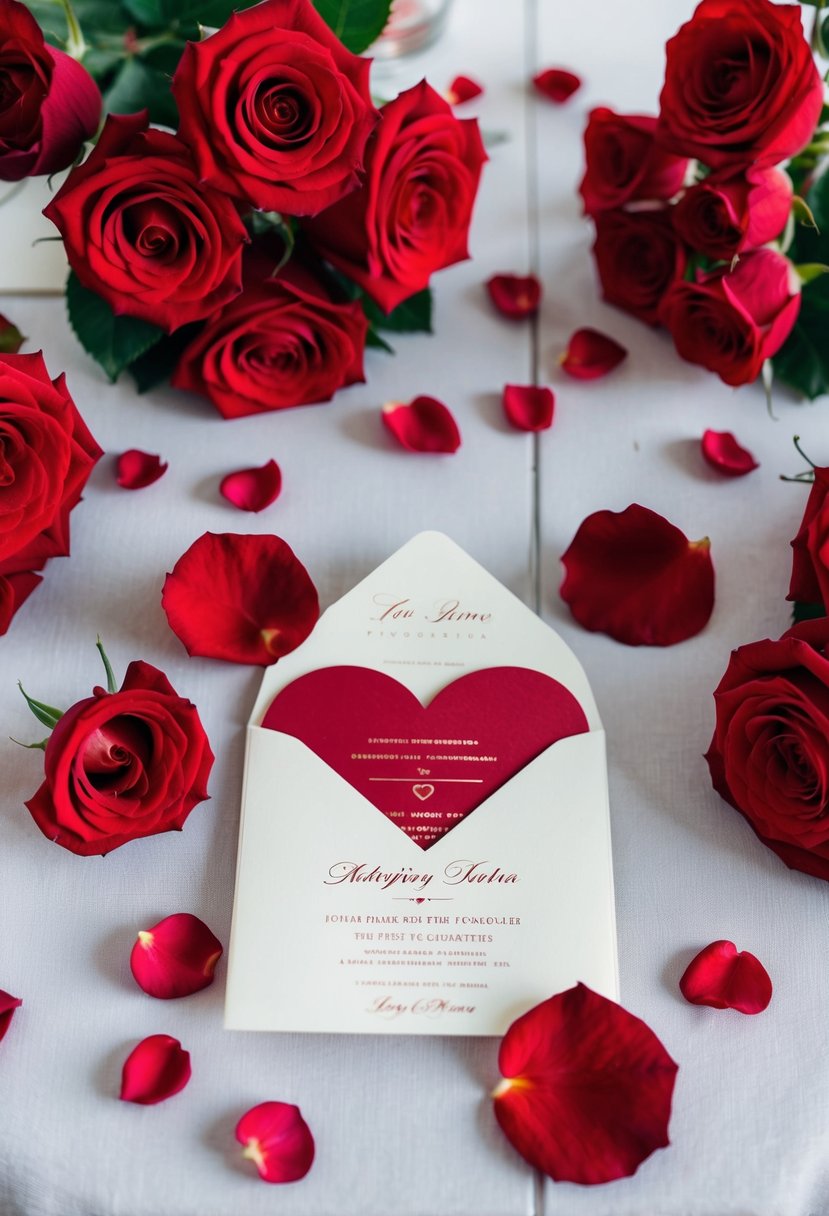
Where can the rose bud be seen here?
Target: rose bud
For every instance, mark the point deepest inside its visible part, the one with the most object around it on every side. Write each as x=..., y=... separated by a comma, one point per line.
x=49, y=104
x=277, y=1140
x=722, y=216
x=638, y=258
x=154, y=1070
x=8, y=1004
x=624, y=162
x=177, y=957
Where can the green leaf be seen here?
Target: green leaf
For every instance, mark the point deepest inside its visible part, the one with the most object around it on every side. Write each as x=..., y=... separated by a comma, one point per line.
x=412, y=316
x=803, y=361
x=374, y=339
x=11, y=339
x=94, y=16
x=110, y=674
x=803, y=212
x=157, y=365
x=113, y=342
x=41, y=746
x=807, y=272
x=173, y=14
x=807, y=612
x=138, y=86
x=357, y=23
x=46, y=714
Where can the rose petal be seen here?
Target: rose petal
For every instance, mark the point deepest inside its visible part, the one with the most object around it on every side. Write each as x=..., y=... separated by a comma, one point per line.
x=588, y=1091
x=253, y=489
x=637, y=578
x=15, y=589
x=8, y=1004
x=556, y=84
x=721, y=977
x=724, y=453
x=527, y=407
x=11, y=339
x=515, y=296
x=177, y=957
x=422, y=425
x=591, y=354
x=463, y=88
x=154, y=1070
x=278, y=1140
x=245, y=599
x=135, y=469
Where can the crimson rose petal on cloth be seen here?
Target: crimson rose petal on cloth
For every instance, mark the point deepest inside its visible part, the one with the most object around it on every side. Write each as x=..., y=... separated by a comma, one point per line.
x=587, y=1091
x=556, y=84
x=253, y=489
x=528, y=407
x=422, y=425
x=591, y=354
x=277, y=1140
x=724, y=978
x=175, y=958
x=8, y=1004
x=155, y=1070
x=515, y=296
x=463, y=88
x=722, y=451
x=136, y=469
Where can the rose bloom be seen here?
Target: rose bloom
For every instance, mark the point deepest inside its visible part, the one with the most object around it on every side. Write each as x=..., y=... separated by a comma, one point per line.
x=741, y=85
x=49, y=104
x=727, y=214
x=122, y=765
x=142, y=231
x=283, y=342
x=638, y=257
x=769, y=756
x=731, y=321
x=810, y=548
x=624, y=162
x=276, y=110
x=411, y=216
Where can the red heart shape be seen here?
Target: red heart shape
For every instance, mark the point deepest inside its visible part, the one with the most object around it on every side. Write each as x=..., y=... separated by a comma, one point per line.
x=478, y=731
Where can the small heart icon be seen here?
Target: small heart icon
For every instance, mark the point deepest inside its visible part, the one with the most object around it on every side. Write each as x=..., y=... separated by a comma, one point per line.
x=423, y=791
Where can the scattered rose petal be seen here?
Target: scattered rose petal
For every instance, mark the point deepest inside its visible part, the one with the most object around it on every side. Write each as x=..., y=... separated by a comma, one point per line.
x=154, y=1070
x=557, y=84
x=588, y=1088
x=724, y=978
x=527, y=407
x=177, y=957
x=278, y=1140
x=8, y=1004
x=245, y=599
x=515, y=296
x=11, y=339
x=591, y=354
x=422, y=425
x=253, y=489
x=634, y=576
x=135, y=469
x=463, y=88
x=724, y=453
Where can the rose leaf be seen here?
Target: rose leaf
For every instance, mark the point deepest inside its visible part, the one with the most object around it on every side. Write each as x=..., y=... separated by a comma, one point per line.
x=355, y=22
x=113, y=342
x=412, y=316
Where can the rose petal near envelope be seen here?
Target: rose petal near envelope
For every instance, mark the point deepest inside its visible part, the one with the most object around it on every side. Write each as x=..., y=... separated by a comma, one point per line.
x=498, y=890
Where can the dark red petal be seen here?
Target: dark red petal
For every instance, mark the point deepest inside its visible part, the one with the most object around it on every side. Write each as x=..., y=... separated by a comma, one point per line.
x=463, y=88
x=588, y=1091
x=134, y=469
x=177, y=957
x=154, y=1070
x=278, y=1140
x=422, y=425
x=637, y=578
x=515, y=296
x=8, y=1004
x=527, y=407
x=253, y=489
x=11, y=339
x=721, y=977
x=557, y=84
x=724, y=453
x=245, y=599
x=591, y=354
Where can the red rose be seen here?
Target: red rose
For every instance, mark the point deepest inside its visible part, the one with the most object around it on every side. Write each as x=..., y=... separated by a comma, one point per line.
x=810, y=548
x=741, y=85
x=624, y=162
x=769, y=756
x=122, y=765
x=283, y=342
x=727, y=214
x=276, y=110
x=411, y=216
x=638, y=257
x=143, y=232
x=732, y=321
x=49, y=104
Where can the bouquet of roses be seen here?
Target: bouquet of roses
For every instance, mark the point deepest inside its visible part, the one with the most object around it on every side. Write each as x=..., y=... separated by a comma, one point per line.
x=252, y=243
x=698, y=227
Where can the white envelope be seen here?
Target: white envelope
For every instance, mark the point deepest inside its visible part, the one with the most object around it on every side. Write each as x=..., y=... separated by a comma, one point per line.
x=317, y=943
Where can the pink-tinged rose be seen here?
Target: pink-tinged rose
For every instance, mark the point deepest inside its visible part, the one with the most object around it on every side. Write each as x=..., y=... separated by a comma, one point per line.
x=722, y=451
x=244, y=599
x=135, y=469
x=463, y=88
x=624, y=163
x=411, y=215
x=143, y=232
x=15, y=589
x=8, y=1004
x=810, y=548
x=11, y=339
x=722, y=215
x=49, y=104
x=638, y=258
x=514, y=295
x=276, y=110
x=123, y=765
x=636, y=577
x=769, y=756
x=154, y=1070
x=277, y=1140
x=177, y=957
x=591, y=355
x=528, y=407
x=723, y=978
x=741, y=85
x=556, y=84
x=422, y=425
x=731, y=321
x=587, y=1088
x=253, y=489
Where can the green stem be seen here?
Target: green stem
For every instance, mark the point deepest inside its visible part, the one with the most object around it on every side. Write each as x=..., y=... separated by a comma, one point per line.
x=75, y=42
x=817, y=43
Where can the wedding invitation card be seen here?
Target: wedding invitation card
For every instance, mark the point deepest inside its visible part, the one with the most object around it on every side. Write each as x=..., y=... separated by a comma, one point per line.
x=425, y=844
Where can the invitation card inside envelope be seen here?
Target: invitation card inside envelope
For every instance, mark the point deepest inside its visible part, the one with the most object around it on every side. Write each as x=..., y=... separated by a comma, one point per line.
x=425, y=841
